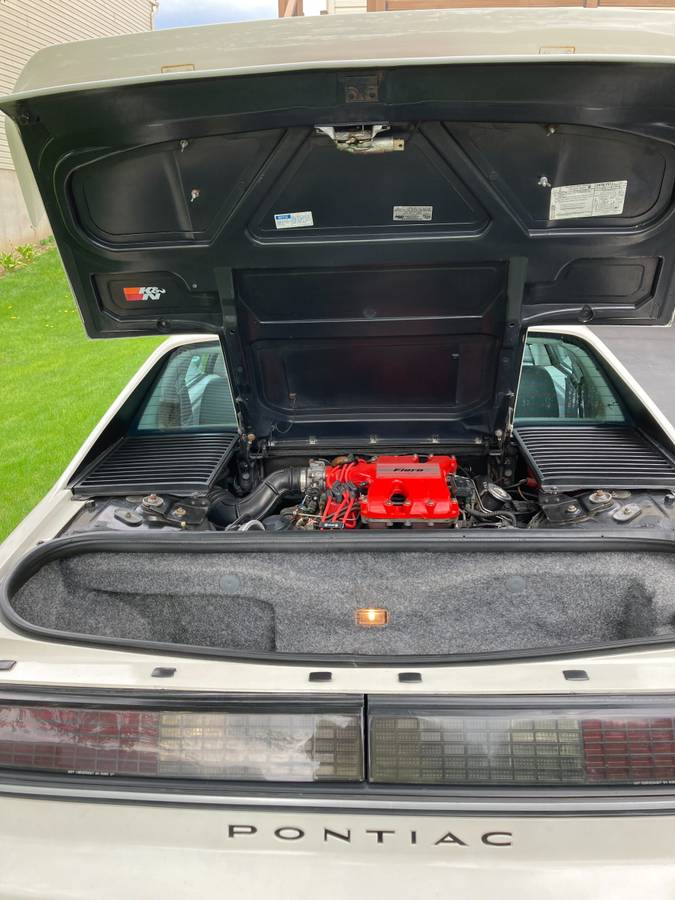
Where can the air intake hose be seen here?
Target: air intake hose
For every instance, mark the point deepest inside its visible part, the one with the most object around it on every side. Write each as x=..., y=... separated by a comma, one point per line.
x=227, y=509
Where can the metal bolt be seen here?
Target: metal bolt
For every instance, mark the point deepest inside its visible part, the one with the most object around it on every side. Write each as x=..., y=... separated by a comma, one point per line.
x=586, y=314
x=544, y=182
x=572, y=508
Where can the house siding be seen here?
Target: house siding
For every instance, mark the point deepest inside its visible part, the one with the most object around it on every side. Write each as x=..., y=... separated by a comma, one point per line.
x=27, y=26
x=347, y=6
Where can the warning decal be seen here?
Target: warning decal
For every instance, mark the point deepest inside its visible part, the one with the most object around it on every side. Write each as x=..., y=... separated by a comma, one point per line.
x=413, y=213
x=580, y=201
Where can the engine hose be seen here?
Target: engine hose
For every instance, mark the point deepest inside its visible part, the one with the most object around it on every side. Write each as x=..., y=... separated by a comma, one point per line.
x=228, y=509
x=491, y=516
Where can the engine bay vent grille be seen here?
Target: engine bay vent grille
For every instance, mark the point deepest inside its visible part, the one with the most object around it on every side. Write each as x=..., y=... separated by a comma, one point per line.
x=175, y=463
x=580, y=457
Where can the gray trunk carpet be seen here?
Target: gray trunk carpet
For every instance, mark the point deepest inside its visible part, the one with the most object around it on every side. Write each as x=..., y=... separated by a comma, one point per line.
x=305, y=602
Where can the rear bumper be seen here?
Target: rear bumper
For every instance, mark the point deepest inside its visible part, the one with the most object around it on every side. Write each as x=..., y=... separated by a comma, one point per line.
x=83, y=849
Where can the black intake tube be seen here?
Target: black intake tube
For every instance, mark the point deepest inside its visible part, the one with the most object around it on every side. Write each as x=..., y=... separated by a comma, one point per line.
x=228, y=509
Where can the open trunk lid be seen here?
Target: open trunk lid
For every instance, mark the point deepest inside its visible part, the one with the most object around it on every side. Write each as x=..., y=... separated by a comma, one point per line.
x=370, y=241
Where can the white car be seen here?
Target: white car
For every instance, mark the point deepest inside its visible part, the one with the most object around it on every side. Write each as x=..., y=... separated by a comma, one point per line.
x=319, y=609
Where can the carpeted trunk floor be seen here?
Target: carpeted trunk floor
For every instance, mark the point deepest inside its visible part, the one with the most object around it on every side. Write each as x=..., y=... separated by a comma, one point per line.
x=305, y=602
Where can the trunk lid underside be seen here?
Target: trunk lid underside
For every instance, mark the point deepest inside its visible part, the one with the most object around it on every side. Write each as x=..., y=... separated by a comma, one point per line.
x=238, y=206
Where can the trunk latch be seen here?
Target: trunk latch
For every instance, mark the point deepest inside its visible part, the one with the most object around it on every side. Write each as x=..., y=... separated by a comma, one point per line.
x=363, y=138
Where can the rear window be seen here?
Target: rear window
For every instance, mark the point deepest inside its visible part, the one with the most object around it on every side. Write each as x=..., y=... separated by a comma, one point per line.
x=192, y=393
x=560, y=380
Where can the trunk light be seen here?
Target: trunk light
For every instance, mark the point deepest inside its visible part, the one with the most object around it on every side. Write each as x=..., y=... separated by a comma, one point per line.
x=512, y=747
x=371, y=616
x=257, y=746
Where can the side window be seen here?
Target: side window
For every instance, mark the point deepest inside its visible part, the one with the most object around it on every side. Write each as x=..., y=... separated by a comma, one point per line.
x=192, y=393
x=561, y=380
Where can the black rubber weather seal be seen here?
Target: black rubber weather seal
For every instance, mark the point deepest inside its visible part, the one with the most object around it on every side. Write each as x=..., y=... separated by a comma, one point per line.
x=551, y=541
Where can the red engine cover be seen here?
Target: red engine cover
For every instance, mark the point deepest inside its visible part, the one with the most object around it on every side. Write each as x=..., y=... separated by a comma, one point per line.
x=392, y=489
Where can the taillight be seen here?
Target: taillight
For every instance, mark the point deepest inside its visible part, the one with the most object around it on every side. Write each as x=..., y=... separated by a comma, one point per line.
x=297, y=744
x=431, y=741
x=512, y=747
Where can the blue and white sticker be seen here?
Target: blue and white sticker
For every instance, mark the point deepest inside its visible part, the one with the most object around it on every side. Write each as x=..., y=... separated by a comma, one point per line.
x=294, y=220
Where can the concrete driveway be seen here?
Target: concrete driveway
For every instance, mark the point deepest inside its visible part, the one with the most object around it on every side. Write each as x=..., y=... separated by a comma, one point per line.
x=649, y=355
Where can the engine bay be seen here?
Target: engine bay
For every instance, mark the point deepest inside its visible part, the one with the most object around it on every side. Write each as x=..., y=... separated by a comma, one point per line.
x=407, y=491
x=566, y=450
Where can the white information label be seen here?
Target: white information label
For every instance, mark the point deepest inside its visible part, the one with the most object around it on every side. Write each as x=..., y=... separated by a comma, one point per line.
x=413, y=213
x=580, y=201
x=294, y=220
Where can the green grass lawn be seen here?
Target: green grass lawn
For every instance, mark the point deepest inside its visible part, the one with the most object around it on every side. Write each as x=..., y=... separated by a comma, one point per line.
x=55, y=382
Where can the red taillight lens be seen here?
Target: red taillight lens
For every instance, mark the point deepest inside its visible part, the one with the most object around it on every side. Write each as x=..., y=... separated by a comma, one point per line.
x=635, y=750
x=313, y=745
x=502, y=747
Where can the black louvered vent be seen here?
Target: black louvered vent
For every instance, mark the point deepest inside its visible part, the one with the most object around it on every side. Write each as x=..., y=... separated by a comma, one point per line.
x=175, y=463
x=578, y=457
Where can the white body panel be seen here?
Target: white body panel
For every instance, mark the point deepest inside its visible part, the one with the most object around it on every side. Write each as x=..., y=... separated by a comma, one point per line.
x=80, y=851
x=430, y=37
